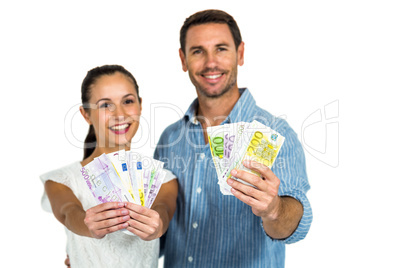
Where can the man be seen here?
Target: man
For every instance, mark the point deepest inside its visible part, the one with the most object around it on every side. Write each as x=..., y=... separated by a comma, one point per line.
x=209, y=229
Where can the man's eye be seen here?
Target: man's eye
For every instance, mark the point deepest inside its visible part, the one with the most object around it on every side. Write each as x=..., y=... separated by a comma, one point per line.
x=221, y=49
x=198, y=51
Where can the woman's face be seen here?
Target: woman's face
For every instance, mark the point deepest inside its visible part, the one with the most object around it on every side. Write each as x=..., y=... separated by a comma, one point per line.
x=115, y=111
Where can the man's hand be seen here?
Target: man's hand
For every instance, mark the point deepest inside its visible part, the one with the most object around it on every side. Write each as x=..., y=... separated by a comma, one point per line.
x=144, y=222
x=106, y=218
x=280, y=215
x=263, y=199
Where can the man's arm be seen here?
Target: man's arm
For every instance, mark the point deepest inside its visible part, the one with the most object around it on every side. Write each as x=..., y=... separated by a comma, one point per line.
x=280, y=215
x=287, y=220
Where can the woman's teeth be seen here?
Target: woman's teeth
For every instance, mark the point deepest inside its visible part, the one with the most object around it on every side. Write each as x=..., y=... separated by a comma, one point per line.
x=119, y=127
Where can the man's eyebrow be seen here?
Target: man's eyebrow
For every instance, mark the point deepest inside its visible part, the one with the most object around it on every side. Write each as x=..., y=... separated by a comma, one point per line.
x=201, y=47
x=195, y=47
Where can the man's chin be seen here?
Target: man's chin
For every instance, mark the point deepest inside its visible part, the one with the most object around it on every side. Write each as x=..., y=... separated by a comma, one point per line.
x=212, y=94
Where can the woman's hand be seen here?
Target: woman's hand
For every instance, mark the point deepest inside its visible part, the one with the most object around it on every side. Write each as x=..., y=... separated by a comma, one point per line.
x=145, y=223
x=106, y=218
x=152, y=223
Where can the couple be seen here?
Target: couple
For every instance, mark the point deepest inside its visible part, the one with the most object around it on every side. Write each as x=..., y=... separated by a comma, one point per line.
x=206, y=228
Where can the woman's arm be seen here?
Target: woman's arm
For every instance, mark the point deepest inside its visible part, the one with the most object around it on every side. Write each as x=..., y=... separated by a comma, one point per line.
x=152, y=223
x=95, y=222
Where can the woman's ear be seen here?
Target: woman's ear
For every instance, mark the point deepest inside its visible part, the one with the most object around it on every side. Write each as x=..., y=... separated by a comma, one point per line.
x=85, y=115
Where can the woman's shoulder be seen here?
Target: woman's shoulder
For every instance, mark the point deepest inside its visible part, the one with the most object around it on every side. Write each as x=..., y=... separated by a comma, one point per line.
x=62, y=174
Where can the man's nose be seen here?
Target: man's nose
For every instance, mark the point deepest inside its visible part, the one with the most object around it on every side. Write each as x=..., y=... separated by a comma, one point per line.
x=210, y=60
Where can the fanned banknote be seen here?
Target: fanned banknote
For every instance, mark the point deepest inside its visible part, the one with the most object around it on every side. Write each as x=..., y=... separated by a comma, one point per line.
x=123, y=176
x=231, y=144
x=120, y=165
x=103, y=181
x=216, y=142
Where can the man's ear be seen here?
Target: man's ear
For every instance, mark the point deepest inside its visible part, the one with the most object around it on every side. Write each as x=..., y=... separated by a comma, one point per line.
x=85, y=115
x=183, y=60
x=240, y=54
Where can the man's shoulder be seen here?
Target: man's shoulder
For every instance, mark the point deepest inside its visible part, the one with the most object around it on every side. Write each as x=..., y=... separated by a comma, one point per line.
x=171, y=136
x=277, y=123
x=173, y=129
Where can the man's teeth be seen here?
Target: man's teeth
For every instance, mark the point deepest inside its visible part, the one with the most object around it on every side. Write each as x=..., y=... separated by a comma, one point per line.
x=213, y=76
x=119, y=127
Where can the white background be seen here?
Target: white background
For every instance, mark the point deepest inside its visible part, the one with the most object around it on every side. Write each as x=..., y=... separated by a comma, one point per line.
x=300, y=57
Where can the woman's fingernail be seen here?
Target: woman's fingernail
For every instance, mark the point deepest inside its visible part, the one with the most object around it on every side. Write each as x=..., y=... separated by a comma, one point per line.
x=124, y=212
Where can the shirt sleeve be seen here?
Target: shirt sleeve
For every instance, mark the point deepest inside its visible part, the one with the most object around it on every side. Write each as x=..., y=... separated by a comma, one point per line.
x=290, y=168
x=169, y=176
x=58, y=176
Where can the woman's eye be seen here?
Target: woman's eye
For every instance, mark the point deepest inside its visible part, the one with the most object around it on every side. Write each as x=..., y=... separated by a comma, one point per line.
x=129, y=101
x=104, y=105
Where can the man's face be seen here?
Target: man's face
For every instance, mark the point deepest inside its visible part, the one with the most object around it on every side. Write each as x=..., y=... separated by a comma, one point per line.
x=211, y=59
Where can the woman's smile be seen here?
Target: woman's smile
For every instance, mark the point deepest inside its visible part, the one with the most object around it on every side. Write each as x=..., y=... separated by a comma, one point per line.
x=120, y=128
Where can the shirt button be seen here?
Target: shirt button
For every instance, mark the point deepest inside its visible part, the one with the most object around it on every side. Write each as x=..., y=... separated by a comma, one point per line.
x=195, y=225
x=198, y=190
x=202, y=156
x=190, y=259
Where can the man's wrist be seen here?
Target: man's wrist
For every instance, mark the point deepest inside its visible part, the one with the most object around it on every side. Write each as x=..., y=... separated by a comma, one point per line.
x=276, y=211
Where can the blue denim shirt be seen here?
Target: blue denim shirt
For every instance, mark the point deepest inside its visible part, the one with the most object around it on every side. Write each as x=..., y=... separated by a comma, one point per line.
x=210, y=229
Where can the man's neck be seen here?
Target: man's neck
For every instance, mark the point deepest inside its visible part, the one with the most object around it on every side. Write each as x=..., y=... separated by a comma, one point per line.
x=213, y=111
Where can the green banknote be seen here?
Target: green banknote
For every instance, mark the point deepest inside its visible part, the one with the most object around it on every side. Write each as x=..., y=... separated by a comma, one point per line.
x=263, y=146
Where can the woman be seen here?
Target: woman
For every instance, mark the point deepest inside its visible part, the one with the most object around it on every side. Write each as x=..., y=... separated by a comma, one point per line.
x=112, y=108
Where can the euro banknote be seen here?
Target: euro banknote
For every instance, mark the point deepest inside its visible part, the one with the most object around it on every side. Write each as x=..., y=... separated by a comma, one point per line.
x=242, y=141
x=124, y=176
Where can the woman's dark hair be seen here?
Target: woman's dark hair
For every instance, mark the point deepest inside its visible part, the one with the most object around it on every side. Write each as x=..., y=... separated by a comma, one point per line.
x=210, y=16
x=89, y=80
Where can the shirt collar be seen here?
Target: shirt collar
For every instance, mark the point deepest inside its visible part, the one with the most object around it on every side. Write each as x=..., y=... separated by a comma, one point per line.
x=192, y=112
x=242, y=111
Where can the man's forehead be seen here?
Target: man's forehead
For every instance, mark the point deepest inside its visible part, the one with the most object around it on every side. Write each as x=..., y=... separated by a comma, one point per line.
x=207, y=33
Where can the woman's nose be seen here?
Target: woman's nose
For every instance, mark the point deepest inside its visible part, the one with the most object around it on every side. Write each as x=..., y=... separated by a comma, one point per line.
x=117, y=111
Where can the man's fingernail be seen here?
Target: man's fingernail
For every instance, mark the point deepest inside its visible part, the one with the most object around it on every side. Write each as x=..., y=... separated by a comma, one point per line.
x=230, y=181
x=233, y=172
